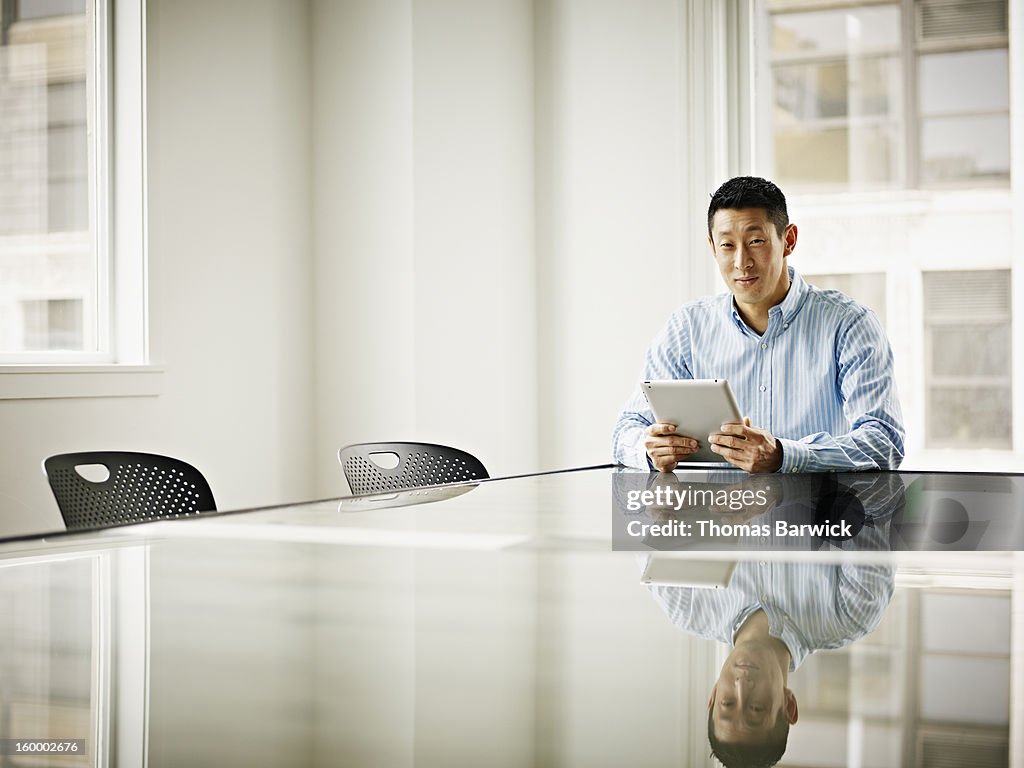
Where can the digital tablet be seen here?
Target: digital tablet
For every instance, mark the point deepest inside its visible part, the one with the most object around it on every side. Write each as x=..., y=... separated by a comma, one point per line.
x=697, y=407
x=677, y=572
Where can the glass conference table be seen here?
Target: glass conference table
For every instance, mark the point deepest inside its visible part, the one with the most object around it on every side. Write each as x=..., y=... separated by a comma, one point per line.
x=494, y=624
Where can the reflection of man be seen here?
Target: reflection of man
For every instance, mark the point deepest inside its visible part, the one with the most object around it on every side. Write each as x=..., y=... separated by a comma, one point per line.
x=811, y=369
x=775, y=614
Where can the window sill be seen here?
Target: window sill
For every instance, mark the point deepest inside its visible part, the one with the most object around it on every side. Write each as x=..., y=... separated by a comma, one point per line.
x=41, y=382
x=988, y=460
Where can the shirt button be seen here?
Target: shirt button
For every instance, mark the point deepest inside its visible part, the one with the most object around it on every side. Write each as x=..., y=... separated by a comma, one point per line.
x=762, y=563
x=763, y=388
x=785, y=325
x=794, y=469
x=764, y=346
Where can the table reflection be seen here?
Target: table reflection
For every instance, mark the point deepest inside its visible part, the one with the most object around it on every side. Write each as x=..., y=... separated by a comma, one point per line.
x=269, y=638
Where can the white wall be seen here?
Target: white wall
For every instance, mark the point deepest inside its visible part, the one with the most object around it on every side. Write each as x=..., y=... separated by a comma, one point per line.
x=230, y=272
x=445, y=220
x=498, y=221
x=423, y=179
x=610, y=210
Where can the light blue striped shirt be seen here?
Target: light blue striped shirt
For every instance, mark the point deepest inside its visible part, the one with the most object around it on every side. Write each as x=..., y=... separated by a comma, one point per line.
x=820, y=378
x=809, y=606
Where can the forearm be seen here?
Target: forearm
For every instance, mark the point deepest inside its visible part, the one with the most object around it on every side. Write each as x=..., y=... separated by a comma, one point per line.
x=864, y=594
x=872, y=445
x=628, y=440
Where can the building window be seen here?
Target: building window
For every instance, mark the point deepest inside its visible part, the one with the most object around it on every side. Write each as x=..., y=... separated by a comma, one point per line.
x=61, y=158
x=863, y=97
x=837, y=116
x=48, y=243
x=52, y=324
x=887, y=124
x=968, y=357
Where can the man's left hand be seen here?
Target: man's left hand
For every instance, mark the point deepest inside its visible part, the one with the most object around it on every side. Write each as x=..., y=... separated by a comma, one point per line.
x=746, y=447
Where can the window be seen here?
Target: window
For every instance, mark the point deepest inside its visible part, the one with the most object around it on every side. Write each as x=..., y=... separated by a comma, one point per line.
x=53, y=324
x=837, y=97
x=62, y=177
x=859, y=101
x=887, y=124
x=47, y=240
x=967, y=342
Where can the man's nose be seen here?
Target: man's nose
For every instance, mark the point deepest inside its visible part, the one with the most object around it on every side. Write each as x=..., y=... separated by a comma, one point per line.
x=740, y=259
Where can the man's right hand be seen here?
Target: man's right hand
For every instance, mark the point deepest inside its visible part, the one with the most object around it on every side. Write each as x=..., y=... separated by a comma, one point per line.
x=666, y=448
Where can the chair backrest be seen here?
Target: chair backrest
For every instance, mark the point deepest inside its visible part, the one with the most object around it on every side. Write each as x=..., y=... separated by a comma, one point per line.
x=140, y=487
x=418, y=464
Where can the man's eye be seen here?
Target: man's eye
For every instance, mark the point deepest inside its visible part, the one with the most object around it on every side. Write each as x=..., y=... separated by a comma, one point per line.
x=756, y=242
x=725, y=245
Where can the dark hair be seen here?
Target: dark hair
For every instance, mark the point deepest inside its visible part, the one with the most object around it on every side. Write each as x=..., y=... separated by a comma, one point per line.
x=745, y=755
x=751, y=192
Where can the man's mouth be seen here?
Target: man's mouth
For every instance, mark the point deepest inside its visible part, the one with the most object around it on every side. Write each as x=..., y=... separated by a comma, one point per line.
x=746, y=280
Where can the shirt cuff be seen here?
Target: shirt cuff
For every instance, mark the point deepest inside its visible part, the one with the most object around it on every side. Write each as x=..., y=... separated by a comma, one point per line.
x=642, y=457
x=795, y=456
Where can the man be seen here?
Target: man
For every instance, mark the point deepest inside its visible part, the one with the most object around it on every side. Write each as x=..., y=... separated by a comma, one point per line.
x=811, y=369
x=774, y=614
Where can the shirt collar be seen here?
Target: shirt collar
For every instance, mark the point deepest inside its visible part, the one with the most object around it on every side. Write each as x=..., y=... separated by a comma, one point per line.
x=788, y=307
x=780, y=627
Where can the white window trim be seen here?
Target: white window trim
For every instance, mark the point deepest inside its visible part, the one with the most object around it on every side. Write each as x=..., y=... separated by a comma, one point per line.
x=42, y=382
x=123, y=369
x=718, y=97
x=1017, y=207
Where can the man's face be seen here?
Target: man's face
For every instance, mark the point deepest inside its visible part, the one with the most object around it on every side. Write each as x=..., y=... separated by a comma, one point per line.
x=747, y=698
x=752, y=256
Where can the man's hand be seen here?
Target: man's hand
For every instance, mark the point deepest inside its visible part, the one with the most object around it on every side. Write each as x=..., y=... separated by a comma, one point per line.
x=747, y=447
x=666, y=448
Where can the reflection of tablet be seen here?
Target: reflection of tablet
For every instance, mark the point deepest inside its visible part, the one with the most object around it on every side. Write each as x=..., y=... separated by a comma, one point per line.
x=697, y=407
x=677, y=572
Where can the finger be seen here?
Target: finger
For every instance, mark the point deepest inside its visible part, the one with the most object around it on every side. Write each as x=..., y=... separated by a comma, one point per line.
x=734, y=457
x=671, y=441
x=664, y=464
x=726, y=440
x=746, y=421
x=673, y=452
x=732, y=429
x=661, y=428
x=683, y=441
x=729, y=453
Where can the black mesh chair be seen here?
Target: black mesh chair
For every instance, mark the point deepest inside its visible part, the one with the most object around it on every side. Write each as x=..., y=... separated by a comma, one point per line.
x=140, y=487
x=419, y=464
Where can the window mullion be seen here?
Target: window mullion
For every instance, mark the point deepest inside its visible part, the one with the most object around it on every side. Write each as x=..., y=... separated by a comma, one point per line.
x=911, y=127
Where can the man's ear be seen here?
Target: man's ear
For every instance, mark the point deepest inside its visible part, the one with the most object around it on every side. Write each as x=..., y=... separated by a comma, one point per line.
x=792, y=710
x=711, y=701
x=789, y=239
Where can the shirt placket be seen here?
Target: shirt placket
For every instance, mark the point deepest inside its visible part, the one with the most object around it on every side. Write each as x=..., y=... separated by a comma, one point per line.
x=765, y=353
x=765, y=597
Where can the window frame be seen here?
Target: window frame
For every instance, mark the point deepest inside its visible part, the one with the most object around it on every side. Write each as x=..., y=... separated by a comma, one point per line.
x=905, y=301
x=906, y=119
x=118, y=210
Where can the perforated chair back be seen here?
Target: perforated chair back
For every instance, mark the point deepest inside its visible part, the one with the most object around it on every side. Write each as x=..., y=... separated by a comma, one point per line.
x=419, y=464
x=140, y=487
